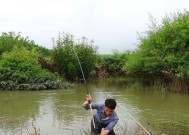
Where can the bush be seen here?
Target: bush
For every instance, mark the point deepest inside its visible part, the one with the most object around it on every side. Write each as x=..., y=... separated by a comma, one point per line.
x=163, y=52
x=164, y=48
x=113, y=63
x=19, y=67
x=66, y=59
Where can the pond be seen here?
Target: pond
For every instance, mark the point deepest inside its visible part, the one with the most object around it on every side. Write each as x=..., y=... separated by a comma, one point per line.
x=59, y=112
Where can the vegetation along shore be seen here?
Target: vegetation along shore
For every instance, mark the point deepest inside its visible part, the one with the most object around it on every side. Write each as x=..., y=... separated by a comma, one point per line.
x=160, y=59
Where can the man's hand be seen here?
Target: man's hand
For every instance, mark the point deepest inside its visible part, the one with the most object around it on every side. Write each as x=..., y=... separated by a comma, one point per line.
x=87, y=102
x=105, y=132
x=88, y=98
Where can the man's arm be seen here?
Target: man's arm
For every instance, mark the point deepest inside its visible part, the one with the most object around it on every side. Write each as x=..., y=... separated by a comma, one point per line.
x=110, y=126
x=87, y=101
x=85, y=104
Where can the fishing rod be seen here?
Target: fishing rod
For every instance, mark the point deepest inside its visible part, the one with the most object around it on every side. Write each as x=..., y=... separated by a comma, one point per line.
x=149, y=133
x=85, y=82
x=81, y=71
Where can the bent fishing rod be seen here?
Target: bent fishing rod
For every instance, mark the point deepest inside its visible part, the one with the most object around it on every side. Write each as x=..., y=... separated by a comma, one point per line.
x=149, y=133
x=85, y=82
x=81, y=70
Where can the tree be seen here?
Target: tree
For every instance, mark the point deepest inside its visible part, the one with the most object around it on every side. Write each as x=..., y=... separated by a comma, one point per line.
x=66, y=60
x=164, y=48
x=113, y=63
x=163, y=53
x=21, y=66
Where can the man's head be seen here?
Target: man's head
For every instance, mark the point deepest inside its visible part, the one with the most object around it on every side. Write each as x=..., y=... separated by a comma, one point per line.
x=110, y=105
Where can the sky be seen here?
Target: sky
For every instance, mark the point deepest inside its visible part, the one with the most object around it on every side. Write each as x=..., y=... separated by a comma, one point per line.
x=112, y=24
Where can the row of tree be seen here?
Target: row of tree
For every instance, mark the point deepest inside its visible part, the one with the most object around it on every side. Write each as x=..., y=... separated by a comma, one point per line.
x=27, y=66
x=161, y=55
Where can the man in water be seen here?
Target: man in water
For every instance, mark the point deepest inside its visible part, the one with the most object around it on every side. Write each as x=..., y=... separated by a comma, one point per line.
x=105, y=118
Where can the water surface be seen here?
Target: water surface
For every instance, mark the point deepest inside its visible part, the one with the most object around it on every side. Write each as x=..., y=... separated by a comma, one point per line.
x=59, y=112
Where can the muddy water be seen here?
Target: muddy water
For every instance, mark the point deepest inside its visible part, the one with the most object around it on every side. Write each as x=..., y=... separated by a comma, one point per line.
x=59, y=112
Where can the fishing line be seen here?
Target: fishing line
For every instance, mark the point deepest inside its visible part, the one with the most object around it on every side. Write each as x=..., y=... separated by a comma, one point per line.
x=149, y=133
x=85, y=82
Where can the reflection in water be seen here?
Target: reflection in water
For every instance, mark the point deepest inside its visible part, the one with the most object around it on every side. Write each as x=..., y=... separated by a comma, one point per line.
x=59, y=111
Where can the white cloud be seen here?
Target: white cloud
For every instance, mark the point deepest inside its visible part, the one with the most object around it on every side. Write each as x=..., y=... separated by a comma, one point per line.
x=111, y=23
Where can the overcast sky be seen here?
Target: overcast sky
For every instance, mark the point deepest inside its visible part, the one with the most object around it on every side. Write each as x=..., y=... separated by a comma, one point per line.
x=112, y=24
